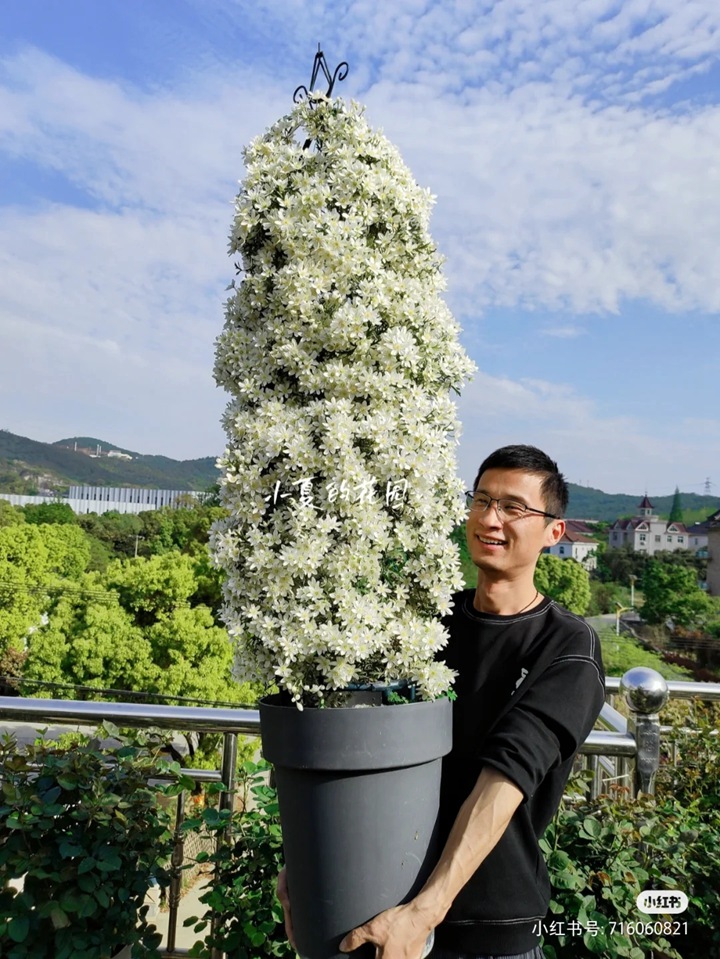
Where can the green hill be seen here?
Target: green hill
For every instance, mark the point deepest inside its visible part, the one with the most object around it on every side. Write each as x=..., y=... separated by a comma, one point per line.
x=589, y=503
x=26, y=465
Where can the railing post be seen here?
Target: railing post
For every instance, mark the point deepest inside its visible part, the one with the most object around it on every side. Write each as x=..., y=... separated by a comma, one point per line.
x=176, y=864
x=227, y=801
x=646, y=692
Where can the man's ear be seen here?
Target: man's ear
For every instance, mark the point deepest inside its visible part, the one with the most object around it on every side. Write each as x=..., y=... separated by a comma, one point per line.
x=554, y=531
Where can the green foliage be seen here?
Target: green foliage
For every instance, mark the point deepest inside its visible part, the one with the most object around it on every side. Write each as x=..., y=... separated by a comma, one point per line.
x=601, y=854
x=183, y=528
x=41, y=513
x=87, y=833
x=621, y=653
x=606, y=597
x=676, y=510
x=618, y=565
x=100, y=555
x=134, y=629
x=31, y=560
x=242, y=896
x=612, y=848
x=151, y=589
x=672, y=592
x=696, y=777
x=68, y=550
x=565, y=581
x=89, y=640
x=10, y=515
x=469, y=569
x=23, y=582
x=119, y=532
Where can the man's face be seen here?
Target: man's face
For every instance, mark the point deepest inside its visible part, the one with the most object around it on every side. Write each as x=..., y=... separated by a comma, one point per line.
x=505, y=545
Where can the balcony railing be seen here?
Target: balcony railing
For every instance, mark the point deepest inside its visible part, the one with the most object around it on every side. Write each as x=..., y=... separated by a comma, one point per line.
x=626, y=749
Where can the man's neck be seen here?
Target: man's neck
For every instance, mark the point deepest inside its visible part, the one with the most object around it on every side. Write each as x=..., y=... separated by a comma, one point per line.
x=505, y=597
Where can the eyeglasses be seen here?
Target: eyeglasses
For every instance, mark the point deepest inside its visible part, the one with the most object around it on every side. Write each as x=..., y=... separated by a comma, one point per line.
x=509, y=508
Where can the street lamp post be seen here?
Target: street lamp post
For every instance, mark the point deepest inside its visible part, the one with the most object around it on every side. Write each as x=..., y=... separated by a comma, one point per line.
x=620, y=609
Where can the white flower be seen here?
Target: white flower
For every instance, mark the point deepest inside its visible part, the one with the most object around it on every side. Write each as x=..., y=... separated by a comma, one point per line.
x=339, y=357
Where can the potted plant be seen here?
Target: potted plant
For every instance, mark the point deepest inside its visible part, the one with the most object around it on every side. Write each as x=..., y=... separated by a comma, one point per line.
x=83, y=837
x=341, y=493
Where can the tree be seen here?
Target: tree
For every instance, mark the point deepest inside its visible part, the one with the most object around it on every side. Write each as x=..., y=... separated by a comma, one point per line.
x=618, y=565
x=34, y=562
x=89, y=640
x=68, y=550
x=10, y=515
x=565, y=581
x=672, y=592
x=49, y=513
x=676, y=514
x=184, y=528
x=23, y=582
x=135, y=628
x=118, y=531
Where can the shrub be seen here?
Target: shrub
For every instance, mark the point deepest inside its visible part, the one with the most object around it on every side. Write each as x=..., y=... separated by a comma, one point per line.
x=601, y=854
x=85, y=830
x=241, y=897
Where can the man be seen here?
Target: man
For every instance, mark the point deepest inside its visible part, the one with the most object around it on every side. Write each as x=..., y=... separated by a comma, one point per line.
x=529, y=688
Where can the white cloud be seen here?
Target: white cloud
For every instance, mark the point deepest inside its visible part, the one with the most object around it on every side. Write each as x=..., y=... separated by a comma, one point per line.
x=619, y=454
x=563, y=332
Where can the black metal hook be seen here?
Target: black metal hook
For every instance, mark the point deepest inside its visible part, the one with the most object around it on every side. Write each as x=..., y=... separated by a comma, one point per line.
x=320, y=63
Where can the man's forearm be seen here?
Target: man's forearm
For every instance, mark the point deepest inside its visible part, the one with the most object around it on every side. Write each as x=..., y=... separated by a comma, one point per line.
x=483, y=818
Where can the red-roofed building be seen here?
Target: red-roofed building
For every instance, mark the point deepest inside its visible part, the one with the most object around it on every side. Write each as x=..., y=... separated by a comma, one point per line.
x=579, y=526
x=647, y=533
x=577, y=546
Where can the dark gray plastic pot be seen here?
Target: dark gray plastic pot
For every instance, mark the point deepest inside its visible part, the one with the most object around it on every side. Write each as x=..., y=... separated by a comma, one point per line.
x=359, y=791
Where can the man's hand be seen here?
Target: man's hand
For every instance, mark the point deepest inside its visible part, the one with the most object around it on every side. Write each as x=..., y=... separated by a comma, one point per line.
x=397, y=933
x=284, y=897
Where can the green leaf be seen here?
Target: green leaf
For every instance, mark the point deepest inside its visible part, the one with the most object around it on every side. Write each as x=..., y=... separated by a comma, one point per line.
x=18, y=928
x=591, y=827
x=59, y=917
x=68, y=849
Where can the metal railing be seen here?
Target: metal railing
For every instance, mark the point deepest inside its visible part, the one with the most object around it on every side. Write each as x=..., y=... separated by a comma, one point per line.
x=639, y=737
x=609, y=752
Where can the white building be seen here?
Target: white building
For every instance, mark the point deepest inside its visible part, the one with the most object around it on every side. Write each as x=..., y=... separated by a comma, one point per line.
x=577, y=546
x=106, y=499
x=647, y=533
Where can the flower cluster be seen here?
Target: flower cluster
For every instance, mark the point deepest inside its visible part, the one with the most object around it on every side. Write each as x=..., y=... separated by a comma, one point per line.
x=339, y=355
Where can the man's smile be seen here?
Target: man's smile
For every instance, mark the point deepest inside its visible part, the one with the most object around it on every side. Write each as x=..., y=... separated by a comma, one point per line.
x=492, y=542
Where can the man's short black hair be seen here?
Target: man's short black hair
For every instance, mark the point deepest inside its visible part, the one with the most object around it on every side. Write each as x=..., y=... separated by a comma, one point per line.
x=531, y=460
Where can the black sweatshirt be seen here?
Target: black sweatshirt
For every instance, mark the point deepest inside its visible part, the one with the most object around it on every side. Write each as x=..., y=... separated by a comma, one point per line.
x=529, y=690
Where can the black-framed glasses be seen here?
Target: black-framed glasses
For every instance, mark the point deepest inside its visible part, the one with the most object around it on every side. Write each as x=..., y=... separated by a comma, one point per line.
x=506, y=507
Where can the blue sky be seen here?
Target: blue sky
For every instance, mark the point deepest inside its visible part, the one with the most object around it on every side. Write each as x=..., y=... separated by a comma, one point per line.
x=572, y=146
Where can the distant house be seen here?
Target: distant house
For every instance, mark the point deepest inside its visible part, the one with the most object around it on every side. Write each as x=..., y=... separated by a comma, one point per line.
x=647, y=533
x=574, y=545
x=713, y=570
x=698, y=538
x=579, y=526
